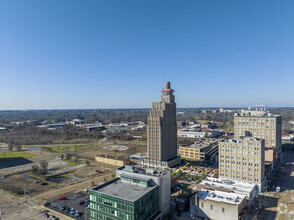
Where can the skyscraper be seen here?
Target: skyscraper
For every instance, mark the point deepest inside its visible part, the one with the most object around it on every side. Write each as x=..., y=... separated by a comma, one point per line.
x=162, y=131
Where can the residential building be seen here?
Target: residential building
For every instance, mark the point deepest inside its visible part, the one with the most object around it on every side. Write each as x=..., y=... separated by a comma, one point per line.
x=200, y=150
x=243, y=159
x=136, y=194
x=162, y=131
x=219, y=205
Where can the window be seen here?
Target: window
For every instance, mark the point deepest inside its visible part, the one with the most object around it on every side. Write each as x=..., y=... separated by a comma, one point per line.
x=223, y=209
x=202, y=205
x=211, y=207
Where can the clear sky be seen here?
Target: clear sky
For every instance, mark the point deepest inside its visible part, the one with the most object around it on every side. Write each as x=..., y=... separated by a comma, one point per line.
x=118, y=53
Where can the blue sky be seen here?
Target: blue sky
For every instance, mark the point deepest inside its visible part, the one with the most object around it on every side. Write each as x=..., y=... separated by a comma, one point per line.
x=118, y=53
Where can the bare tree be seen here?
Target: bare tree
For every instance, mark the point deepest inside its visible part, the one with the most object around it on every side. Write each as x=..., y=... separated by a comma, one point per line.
x=18, y=147
x=68, y=156
x=87, y=162
x=10, y=146
x=62, y=156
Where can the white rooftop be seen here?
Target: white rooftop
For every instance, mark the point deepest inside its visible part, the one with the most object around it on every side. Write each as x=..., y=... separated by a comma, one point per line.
x=219, y=196
x=234, y=186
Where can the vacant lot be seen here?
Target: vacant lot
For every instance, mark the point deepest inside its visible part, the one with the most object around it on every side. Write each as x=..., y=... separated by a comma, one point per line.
x=6, y=156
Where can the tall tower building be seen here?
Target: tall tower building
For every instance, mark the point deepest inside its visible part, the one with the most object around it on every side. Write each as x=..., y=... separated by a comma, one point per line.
x=162, y=131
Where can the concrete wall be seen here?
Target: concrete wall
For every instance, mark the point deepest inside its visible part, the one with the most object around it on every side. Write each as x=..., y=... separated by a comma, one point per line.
x=231, y=211
x=111, y=161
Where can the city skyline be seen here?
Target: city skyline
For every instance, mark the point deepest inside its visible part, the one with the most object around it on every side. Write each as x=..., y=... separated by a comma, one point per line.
x=114, y=54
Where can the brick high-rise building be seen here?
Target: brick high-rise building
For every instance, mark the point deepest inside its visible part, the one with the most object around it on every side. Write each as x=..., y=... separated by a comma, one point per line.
x=162, y=131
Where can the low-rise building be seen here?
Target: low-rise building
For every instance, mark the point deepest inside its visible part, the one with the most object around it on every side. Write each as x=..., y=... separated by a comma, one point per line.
x=219, y=205
x=200, y=150
x=287, y=137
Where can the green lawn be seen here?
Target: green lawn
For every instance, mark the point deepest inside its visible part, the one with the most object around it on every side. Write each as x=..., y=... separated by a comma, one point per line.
x=15, y=155
x=64, y=148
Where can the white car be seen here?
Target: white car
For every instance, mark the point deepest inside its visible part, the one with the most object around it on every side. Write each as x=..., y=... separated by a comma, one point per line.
x=278, y=189
x=77, y=213
x=72, y=211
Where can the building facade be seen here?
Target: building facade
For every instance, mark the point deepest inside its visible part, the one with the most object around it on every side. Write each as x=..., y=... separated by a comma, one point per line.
x=260, y=124
x=243, y=159
x=200, y=150
x=162, y=131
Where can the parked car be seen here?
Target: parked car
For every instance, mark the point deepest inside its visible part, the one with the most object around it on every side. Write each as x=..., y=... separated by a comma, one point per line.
x=52, y=217
x=180, y=179
x=278, y=189
x=37, y=181
x=81, y=202
x=45, y=215
x=72, y=211
x=67, y=209
x=77, y=213
x=190, y=215
x=43, y=184
x=47, y=203
x=62, y=198
x=98, y=171
x=62, y=208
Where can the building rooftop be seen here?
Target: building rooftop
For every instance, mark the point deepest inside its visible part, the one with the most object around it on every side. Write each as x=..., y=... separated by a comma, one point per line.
x=233, y=186
x=219, y=196
x=237, y=140
x=144, y=171
x=202, y=143
x=123, y=190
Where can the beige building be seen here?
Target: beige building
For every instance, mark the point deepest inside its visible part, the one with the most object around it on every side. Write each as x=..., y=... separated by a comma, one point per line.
x=242, y=159
x=260, y=124
x=199, y=150
x=162, y=131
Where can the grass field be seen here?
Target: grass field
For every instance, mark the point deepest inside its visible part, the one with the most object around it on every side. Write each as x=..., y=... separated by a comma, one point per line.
x=15, y=155
x=64, y=148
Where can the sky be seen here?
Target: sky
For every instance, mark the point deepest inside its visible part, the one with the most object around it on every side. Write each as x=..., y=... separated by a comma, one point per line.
x=76, y=54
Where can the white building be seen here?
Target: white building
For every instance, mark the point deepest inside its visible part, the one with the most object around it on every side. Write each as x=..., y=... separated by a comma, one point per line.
x=219, y=205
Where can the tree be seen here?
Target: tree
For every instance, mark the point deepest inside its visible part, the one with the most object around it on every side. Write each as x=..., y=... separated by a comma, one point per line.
x=35, y=169
x=187, y=176
x=10, y=146
x=87, y=162
x=61, y=156
x=186, y=192
x=18, y=147
x=68, y=156
x=203, y=176
x=43, y=167
x=196, y=177
x=179, y=173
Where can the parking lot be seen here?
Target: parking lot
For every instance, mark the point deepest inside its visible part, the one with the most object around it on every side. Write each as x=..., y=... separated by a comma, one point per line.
x=74, y=201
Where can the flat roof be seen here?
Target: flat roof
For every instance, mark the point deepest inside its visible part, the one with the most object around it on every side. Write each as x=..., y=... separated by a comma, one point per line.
x=220, y=196
x=126, y=191
x=234, y=186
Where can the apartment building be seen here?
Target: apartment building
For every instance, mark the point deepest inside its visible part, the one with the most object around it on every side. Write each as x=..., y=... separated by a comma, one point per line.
x=243, y=159
x=260, y=124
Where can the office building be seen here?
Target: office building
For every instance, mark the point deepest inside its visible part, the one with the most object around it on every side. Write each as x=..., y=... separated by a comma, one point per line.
x=136, y=194
x=199, y=150
x=260, y=124
x=162, y=131
x=243, y=159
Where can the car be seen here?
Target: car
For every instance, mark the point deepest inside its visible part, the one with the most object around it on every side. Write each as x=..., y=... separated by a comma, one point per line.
x=86, y=204
x=190, y=215
x=173, y=203
x=52, y=217
x=67, y=209
x=278, y=189
x=47, y=203
x=77, y=213
x=37, y=181
x=98, y=171
x=62, y=198
x=44, y=184
x=82, y=202
x=46, y=215
x=62, y=208
x=180, y=179
x=72, y=211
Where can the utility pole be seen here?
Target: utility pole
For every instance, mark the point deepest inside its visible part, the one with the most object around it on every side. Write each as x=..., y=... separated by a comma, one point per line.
x=24, y=192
